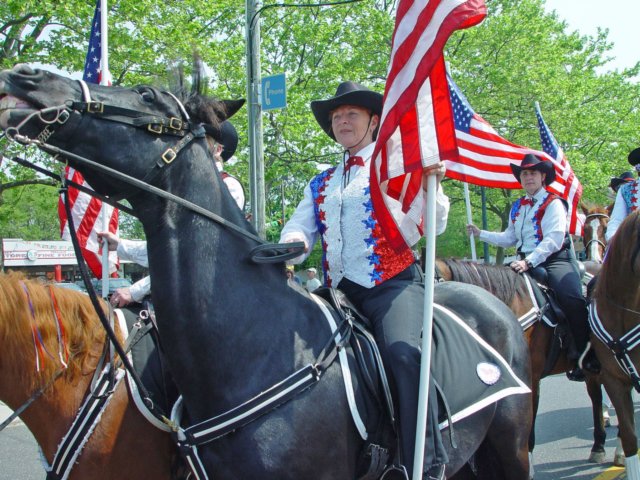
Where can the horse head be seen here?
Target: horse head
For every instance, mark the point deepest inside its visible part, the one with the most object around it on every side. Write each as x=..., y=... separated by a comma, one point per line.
x=112, y=126
x=595, y=227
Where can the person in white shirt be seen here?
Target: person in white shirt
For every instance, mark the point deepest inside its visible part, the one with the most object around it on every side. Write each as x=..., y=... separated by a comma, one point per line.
x=312, y=281
x=386, y=286
x=136, y=250
x=538, y=227
x=627, y=198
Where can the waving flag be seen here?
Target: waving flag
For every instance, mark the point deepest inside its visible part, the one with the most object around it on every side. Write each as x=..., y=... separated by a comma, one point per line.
x=90, y=215
x=571, y=189
x=484, y=157
x=416, y=126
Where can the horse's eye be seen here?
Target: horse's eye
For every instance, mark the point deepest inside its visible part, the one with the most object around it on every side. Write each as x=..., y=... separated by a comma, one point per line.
x=147, y=96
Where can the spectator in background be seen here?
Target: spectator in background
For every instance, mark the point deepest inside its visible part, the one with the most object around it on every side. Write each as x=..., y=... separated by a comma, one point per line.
x=312, y=281
x=292, y=279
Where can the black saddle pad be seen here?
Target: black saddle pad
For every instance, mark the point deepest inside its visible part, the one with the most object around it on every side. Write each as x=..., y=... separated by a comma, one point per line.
x=470, y=372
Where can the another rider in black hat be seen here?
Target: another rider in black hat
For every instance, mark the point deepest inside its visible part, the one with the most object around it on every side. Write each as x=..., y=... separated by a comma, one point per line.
x=627, y=198
x=538, y=227
x=357, y=258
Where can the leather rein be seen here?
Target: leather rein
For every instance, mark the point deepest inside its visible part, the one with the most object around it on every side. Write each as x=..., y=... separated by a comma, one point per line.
x=56, y=117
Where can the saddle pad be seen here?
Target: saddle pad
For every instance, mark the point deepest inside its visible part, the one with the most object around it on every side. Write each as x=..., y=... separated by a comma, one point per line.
x=460, y=357
x=146, y=358
x=471, y=373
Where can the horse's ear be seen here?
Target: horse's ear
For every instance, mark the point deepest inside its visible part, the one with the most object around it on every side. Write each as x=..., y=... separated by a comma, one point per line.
x=231, y=107
x=584, y=208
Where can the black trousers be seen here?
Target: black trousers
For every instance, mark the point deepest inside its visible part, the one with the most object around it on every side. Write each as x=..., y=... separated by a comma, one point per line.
x=395, y=309
x=564, y=280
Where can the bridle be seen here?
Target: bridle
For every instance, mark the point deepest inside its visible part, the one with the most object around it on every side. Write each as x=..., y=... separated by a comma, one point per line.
x=73, y=111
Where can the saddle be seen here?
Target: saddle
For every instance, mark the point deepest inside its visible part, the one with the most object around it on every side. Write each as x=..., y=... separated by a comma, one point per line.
x=459, y=357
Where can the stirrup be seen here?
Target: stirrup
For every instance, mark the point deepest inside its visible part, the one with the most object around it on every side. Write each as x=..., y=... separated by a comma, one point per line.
x=395, y=472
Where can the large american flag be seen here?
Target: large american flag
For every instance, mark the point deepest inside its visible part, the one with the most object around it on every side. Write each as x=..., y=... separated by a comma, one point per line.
x=484, y=157
x=88, y=212
x=416, y=126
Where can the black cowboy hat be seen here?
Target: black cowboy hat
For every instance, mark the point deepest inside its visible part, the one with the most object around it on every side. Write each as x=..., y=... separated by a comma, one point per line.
x=617, y=181
x=347, y=93
x=532, y=162
x=634, y=157
x=226, y=135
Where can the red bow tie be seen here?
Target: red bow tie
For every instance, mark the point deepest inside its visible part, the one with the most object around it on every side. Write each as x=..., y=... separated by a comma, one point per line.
x=351, y=161
x=527, y=201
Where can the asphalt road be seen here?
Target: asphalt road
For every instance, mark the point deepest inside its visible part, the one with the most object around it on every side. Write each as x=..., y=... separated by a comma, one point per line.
x=564, y=437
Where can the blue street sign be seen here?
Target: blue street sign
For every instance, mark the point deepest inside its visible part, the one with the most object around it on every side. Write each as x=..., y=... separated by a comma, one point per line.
x=274, y=92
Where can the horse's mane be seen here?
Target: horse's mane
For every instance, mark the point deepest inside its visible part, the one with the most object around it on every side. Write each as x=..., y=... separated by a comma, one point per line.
x=501, y=281
x=82, y=329
x=624, y=248
x=201, y=106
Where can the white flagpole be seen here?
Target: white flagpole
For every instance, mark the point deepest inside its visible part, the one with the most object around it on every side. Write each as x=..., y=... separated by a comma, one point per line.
x=467, y=201
x=427, y=323
x=104, y=80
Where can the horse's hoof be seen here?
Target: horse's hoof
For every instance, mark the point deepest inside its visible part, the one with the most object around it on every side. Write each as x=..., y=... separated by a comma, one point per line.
x=618, y=460
x=597, y=457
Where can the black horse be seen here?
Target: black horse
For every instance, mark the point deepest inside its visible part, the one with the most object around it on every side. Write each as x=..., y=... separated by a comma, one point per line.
x=232, y=328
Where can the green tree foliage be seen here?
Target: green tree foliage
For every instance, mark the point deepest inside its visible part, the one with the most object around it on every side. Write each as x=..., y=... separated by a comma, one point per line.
x=517, y=56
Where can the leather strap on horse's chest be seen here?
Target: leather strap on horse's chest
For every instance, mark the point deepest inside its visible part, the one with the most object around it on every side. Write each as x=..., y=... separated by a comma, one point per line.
x=83, y=425
x=209, y=430
x=620, y=347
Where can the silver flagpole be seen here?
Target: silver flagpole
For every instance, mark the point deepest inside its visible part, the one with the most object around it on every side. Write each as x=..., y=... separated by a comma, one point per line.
x=467, y=202
x=104, y=80
x=427, y=323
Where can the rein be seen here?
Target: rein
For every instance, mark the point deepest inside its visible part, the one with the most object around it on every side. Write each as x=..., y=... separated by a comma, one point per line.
x=264, y=253
x=34, y=396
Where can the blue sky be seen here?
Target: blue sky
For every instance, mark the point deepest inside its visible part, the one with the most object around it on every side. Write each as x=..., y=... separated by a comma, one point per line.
x=619, y=16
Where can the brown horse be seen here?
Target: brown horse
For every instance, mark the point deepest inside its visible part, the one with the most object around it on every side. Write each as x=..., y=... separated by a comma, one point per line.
x=511, y=288
x=615, y=322
x=42, y=326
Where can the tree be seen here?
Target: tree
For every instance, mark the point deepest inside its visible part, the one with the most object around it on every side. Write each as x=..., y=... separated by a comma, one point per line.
x=518, y=55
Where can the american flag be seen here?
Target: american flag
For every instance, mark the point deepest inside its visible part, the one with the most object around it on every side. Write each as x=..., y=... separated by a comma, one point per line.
x=484, y=157
x=416, y=126
x=571, y=189
x=88, y=212
x=93, y=60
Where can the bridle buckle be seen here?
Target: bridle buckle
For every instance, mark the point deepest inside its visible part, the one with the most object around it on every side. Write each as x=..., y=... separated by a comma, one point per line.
x=169, y=155
x=175, y=123
x=95, y=107
x=155, y=128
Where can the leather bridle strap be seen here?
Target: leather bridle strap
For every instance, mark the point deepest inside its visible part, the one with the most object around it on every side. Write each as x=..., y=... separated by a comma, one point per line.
x=77, y=186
